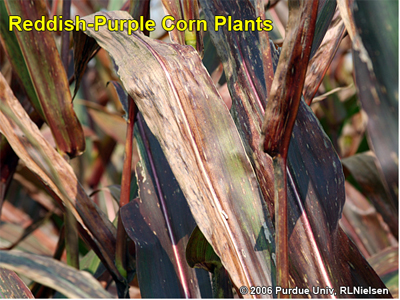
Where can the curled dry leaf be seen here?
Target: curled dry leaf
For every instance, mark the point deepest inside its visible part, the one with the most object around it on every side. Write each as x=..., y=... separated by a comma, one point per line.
x=363, y=168
x=368, y=233
x=321, y=60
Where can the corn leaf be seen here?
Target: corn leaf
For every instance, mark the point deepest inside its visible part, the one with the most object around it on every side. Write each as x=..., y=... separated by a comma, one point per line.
x=12, y=287
x=315, y=178
x=386, y=264
x=375, y=52
x=200, y=254
x=151, y=222
x=363, y=168
x=326, y=12
x=320, y=61
x=50, y=272
x=363, y=224
x=201, y=144
x=35, y=58
x=55, y=173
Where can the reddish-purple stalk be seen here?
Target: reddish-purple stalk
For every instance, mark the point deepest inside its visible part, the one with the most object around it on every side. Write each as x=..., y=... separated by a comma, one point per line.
x=127, y=169
x=179, y=262
x=280, y=116
x=121, y=246
x=281, y=228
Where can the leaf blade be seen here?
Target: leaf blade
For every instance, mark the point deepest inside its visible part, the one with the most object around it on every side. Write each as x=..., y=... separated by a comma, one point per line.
x=310, y=153
x=11, y=286
x=55, y=173
x=52, y=273
x=42, y=72
x=202, y=181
